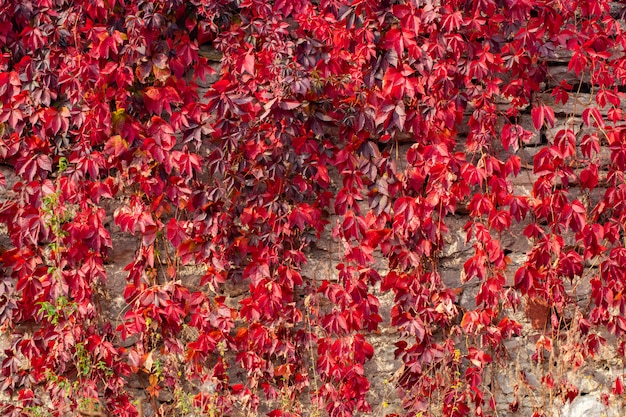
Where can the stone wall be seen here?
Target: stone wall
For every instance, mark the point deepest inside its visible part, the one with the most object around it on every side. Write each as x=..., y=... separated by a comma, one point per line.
x=516, y=383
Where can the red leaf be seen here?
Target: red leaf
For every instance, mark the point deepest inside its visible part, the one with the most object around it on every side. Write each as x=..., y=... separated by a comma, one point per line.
x=153, y=100
x=591, y=117
x=589, y=177
x=162, y=132
x=542, y=114
x=248, y=62
x=115, y=146
x=618, y=386
x=256, y=271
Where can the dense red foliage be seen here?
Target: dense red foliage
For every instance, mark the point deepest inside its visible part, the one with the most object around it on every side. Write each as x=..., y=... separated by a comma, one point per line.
x=100, y=107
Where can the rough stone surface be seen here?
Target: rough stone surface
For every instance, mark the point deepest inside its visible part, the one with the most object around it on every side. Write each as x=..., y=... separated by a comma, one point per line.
x=587, y=406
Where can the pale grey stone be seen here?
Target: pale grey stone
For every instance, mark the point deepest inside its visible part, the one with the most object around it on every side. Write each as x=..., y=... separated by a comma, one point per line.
x=588, y=406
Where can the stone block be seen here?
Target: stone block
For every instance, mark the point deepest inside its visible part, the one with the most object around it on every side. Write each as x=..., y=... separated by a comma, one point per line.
x=587, y=406
x=559, y=55
x=558, y=73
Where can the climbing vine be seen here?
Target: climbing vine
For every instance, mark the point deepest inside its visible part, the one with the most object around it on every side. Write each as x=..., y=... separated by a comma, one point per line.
x=229, y=137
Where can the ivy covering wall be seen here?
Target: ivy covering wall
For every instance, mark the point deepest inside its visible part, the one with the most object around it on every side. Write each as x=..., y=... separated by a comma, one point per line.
x=247, y=207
